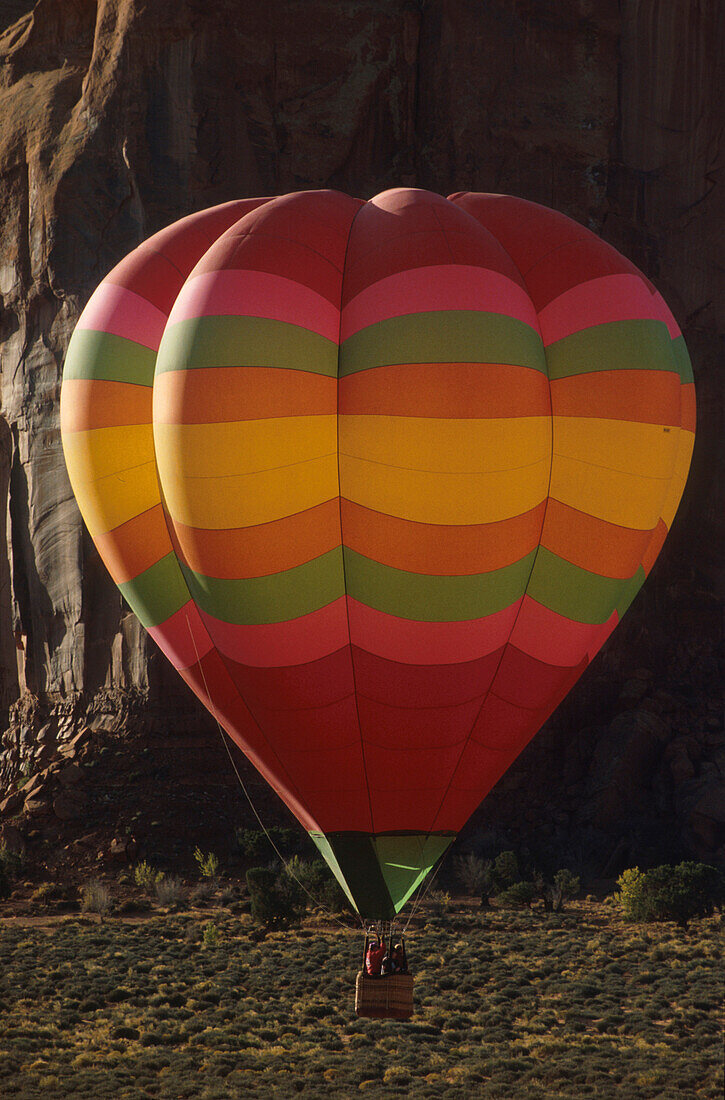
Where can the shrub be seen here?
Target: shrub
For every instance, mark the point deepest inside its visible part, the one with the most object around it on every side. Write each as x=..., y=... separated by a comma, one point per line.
x=210, y=935
x=11, y=863
x=564, y=886
x=505, y=872
x=201, y=892
x=46, y=892
x=439, y=902
x=518, y=896
x=474, y=874
x=146, y=876
x=95, y=897
x=678, y=893
x=315, y=877
x=169, y=890
x=256, y=844
x=276, y=900
x=208, y=864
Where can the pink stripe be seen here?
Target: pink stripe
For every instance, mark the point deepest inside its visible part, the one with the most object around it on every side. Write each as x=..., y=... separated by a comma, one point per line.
x=275, y=645
x=424, y=289
x=418, y=643
x=256, y=294
x=119, y=311
x=556, y=640
x=184, y=640
x=610, y=298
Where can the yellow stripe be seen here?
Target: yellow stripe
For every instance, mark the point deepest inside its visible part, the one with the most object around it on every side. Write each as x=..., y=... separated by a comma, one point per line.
x=624, y=499
x=679, y=477
x=98, y=452
x=248, y=499
x=647, y=450
x=446, y=498
x=107, y=503
x=244, y=447
x=447, y=445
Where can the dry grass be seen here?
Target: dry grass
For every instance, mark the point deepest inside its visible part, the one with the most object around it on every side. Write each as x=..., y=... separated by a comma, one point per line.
x=509, y=1004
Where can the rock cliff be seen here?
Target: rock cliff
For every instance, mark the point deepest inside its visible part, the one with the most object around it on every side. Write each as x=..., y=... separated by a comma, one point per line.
x=120, y=116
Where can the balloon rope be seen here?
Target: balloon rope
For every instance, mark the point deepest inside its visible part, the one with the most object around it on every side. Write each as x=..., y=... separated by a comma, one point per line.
x=222, y=733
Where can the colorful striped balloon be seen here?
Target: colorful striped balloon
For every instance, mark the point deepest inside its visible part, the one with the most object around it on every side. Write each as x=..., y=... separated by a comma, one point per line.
x=380, y=478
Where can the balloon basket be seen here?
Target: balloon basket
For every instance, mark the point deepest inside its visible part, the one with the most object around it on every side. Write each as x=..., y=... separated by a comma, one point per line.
x=386, y=998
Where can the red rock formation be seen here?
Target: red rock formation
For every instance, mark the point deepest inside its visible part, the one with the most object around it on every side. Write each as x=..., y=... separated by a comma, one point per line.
x=118, y=116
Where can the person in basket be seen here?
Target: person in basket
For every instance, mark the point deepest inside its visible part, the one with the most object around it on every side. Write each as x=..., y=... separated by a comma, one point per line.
x=376, y=952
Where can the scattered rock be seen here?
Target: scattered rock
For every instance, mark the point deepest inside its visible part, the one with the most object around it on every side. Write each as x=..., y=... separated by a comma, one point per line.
x=36, y=806
x=76, y=746
x=117, y=849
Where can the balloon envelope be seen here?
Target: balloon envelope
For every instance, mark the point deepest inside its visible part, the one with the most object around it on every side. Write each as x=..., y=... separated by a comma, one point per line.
x=380, y=478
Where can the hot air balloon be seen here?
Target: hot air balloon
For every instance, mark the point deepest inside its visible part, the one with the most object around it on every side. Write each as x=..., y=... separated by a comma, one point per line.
x=379, y=478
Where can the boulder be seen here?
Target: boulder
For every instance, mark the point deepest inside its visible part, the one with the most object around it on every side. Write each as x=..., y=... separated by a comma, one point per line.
x=12, y=804
x=70, y=775
x=68, y=806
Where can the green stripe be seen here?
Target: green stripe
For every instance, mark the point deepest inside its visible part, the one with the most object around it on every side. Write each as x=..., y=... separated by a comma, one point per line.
x=406, y=860
x=380, y=872
x=443, y=336
x=274, y=598
x=630, y=590
x=426, y=598
x=158, y=592
x=245, y=342
x=574, y=592
x=103, y=357
x=682, y=359
x=615, y=345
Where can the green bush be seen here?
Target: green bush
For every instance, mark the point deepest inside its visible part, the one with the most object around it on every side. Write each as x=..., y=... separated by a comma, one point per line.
x=256, y=844
x=11, y=863
x=554, y=894
x=210, y=936
x=146, y=876
x=276, y=900
x=315, y=877
x=505, y=872
x=208, y=864
x=678, y=893
x=4, y=882
x=518, y=896
x=47, y=892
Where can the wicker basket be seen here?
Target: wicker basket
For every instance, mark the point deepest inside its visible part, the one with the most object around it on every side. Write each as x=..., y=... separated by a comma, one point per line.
x=388, y=998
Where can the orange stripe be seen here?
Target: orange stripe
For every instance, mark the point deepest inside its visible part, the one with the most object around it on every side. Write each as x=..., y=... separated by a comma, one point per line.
x=688, y=410
x=91, y=403
x=135, y=545
x=644, y=396
x=446, y=390
x=261, y=550
x=593, y=544
x=658, y=538
x=436, y=549
x=228, y=394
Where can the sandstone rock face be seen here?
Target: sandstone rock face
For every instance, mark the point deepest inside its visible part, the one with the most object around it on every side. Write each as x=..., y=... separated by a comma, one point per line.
x=120, y=116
